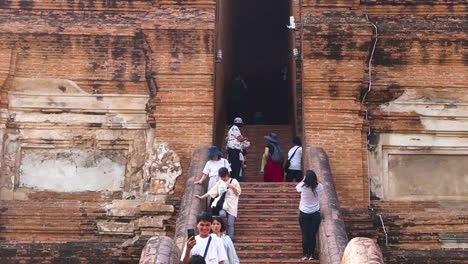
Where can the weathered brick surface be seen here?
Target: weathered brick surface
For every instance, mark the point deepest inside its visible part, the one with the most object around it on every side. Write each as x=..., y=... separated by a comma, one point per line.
x=335, y=52
x=164, y=50
x=417, y=232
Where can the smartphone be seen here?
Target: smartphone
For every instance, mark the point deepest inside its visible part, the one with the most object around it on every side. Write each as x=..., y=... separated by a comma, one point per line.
x=190, y=233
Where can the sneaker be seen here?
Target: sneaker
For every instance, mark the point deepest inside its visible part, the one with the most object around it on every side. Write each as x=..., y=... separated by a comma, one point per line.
x=305, y=258
x=311, y=258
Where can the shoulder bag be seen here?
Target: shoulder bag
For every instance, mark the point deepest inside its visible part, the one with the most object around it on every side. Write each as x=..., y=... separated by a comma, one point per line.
x=288, y=162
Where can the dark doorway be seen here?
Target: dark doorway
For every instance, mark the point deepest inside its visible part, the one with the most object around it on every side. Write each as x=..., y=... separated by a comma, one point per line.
x=259, y=86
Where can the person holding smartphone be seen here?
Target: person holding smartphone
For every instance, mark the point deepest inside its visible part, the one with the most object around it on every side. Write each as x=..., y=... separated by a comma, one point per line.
x=309, y=215
x=208, y=245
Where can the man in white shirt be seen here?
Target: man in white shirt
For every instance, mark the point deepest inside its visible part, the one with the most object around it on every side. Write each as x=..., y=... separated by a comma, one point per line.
x=208, y=245
x=294, y=172
x=234, y=139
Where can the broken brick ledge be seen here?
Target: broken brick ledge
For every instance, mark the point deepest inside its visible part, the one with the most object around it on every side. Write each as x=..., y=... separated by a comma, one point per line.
x=164, y=249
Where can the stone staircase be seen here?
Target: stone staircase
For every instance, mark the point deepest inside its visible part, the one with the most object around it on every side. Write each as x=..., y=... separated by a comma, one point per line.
x=267, y=228
x=256, y=134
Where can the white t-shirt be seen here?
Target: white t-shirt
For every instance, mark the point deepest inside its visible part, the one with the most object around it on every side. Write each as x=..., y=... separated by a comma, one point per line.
x=211, y=169
x=296, y=160
x=309, y=201
x=216, y=251
x=232, y=141
x=231, y=200
x=212, y=166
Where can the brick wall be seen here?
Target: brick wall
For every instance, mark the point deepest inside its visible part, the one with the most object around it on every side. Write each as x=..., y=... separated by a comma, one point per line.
x=334, y=55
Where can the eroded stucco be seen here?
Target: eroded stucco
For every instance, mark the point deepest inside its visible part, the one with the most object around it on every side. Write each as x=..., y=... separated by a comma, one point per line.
x=427, y=164
x=73, y=170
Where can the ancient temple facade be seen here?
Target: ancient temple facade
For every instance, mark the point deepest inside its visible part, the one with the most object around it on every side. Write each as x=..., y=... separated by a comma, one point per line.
x=105, y=101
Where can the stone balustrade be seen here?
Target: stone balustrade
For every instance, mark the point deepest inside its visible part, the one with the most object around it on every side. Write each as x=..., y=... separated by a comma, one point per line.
x=332, y=232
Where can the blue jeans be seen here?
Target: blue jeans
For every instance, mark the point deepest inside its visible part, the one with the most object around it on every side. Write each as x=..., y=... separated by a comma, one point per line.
x=230, y=223
x=309, y=227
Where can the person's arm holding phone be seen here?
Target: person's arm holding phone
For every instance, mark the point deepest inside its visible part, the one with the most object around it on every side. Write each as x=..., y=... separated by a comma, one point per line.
x=190, y=244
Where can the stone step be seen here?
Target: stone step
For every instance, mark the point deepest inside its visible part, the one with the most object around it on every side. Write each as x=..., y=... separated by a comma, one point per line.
x=269, y=253
x=271, y=245
x=263, y=200
x=274, y=238
x=256, y=134
x=274, y=260
x=267, y=229
x=271, y=211
x=269, y=194
x=285, y=219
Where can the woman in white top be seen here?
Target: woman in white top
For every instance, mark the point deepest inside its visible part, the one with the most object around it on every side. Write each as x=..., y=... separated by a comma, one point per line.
x=218, y=226
x=232, y=189
x=294, y=171
x=212, y=166
x=309, y=216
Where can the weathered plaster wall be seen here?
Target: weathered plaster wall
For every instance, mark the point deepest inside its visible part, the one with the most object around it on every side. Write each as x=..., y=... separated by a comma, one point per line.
x=72, y=170
x=417, y=107
x=419, y=167
x=418, y=74
x=45, y=130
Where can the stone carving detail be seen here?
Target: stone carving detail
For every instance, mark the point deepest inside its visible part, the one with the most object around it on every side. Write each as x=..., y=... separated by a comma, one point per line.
x=161, y=169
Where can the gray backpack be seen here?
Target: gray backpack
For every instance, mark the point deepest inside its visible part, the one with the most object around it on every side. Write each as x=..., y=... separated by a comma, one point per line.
x=277, y=155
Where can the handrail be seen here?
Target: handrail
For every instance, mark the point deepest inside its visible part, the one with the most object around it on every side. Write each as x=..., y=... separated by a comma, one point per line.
x=189, y=206
x=334, y=246
x=332, y=231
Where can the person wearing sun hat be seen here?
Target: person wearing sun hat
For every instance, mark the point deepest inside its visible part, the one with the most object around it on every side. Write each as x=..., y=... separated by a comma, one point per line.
x=234, y=140
x=212, y=166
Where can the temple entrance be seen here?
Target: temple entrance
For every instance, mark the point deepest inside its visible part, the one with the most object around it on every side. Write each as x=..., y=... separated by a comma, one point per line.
x=254, y=62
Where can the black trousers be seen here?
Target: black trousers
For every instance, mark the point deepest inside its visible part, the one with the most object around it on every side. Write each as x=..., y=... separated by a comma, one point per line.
x=292, y=175
x=309, y=227
x=233, y=157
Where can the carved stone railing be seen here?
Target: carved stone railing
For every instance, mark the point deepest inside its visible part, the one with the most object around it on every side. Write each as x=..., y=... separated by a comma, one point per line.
x=167, y=250
x=362, y=250
x=190, y=206
x=332, y=231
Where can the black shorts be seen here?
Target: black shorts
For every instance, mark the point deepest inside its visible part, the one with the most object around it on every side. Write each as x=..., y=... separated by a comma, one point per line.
x=292, y=175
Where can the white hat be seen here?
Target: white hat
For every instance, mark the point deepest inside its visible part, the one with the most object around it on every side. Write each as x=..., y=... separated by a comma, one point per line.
x=238, y=120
